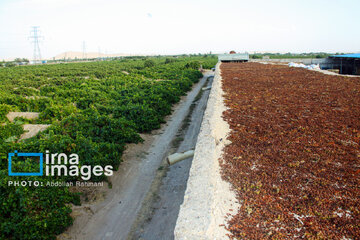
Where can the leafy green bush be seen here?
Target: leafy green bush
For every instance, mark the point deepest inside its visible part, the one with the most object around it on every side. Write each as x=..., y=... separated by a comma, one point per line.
x=4, y=110
x=33, y=212
x=193, y=65
x=10, y=130
x=169, y=60
x=10, y=64
x=149, y=63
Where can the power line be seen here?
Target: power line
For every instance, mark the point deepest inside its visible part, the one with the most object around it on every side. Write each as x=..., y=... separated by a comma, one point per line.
x=35, y=36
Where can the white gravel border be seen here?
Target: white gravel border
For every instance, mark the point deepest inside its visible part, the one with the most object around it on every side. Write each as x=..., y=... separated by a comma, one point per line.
x=207, y=198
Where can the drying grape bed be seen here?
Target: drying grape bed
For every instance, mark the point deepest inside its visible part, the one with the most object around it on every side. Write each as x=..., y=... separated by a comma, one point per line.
x=294, y=160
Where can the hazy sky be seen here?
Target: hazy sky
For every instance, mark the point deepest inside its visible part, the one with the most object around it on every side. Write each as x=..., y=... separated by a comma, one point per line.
x=179, y=26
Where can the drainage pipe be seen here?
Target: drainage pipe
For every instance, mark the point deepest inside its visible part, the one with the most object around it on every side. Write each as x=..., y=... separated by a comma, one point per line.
x=176, y=157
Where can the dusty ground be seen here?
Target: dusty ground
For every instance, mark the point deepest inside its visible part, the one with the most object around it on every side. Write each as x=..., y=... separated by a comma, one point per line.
x=330, y=72
x=113, y=217
x=32, y=129
x=334, y=72
x=28, y=115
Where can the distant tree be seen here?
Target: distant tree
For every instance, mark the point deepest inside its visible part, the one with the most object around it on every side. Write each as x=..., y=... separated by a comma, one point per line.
x=19, y=60
x=10, y=64
x=149, y=63
x=169, y=60
x=193, y=65
x=255, y=56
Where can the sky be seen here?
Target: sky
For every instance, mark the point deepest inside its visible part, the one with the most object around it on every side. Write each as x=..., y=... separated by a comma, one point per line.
x=179, y=26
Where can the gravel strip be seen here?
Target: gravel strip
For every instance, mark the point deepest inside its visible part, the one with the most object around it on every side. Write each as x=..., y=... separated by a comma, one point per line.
x=208, y=198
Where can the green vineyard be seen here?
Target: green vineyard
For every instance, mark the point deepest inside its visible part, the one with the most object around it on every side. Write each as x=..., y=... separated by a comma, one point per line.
x=93, y=109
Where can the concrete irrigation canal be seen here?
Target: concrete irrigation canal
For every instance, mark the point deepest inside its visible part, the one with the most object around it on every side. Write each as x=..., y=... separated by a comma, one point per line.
x=147, y=193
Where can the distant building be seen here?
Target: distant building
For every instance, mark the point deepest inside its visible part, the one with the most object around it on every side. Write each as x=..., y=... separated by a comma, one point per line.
x=234, y=57
x=347, y=63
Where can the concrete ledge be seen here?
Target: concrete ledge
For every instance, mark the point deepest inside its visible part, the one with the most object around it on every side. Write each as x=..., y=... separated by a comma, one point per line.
x=207, y=197
x=28, y=115
x=32, y=129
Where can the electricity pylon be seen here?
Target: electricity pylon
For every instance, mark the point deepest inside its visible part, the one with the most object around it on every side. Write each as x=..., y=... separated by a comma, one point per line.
x=35, y=36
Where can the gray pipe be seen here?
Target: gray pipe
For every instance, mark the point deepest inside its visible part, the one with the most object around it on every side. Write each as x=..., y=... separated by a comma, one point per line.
x=177, y=157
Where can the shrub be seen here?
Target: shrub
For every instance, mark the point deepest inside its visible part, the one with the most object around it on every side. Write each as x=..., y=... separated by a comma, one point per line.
x=149, y=63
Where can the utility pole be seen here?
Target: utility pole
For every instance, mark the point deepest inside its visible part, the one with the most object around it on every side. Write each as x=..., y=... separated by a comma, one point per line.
x=84, y=50
x=35, y=36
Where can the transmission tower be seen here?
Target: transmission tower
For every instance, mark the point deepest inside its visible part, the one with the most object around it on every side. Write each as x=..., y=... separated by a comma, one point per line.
x=84, y=50
x=35, y=36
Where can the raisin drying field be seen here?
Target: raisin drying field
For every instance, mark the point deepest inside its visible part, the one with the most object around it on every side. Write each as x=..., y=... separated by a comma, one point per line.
x=294, y=160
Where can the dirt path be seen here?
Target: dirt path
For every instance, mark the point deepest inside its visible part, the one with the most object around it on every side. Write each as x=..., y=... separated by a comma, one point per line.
x=113, y=217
